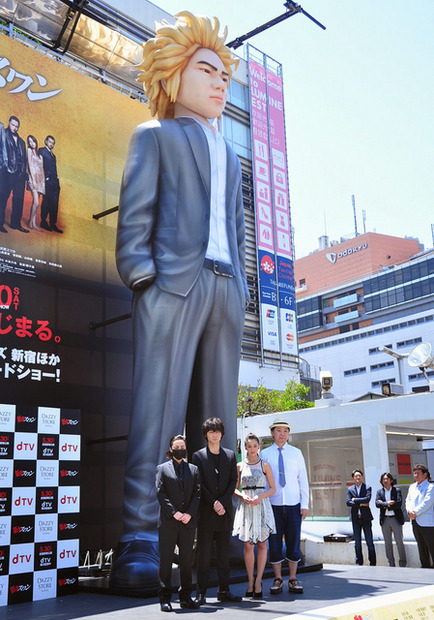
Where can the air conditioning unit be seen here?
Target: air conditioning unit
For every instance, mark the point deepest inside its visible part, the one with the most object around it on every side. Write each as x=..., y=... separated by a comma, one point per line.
x=392, y=389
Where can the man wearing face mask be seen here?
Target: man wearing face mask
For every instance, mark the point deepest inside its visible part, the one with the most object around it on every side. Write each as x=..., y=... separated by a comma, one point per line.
x=178, y=493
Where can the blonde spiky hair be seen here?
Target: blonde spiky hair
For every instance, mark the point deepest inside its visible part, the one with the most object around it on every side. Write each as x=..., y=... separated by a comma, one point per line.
x=168, y=53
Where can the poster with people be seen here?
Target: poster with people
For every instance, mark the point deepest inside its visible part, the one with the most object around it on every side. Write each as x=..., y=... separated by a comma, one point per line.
x=63, y=144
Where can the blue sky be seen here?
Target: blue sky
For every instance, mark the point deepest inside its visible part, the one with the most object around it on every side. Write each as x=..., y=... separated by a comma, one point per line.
x=359, y=101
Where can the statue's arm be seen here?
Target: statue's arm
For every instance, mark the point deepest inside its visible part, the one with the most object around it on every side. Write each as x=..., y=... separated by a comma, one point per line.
x=138, y=210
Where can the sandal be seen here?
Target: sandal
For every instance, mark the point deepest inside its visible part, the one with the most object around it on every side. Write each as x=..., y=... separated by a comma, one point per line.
x=295, y=586
x=277, y=586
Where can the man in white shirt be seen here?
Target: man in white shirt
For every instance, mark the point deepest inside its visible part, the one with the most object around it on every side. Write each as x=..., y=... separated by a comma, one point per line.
x=181, y=249
x=290, y=504
x=420, y=508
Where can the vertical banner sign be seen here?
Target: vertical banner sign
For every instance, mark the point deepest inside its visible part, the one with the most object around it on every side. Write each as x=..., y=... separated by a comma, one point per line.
x=273, y=223
x=39, y=503
x=281, y=212
x=264, y=207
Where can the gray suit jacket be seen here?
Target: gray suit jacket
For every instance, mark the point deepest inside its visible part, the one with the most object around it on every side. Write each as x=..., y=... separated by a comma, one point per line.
x=380, y=502
x=164, y=210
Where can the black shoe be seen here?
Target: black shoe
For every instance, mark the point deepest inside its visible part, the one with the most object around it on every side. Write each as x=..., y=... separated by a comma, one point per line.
x=228, y=597
x=249, y=593
x=135, y=566
x=20, y=228
x=3, y=229
x=200, y=599
x=44, y=225
x=55, y=229
x=258, y=594
x=188, y=603
x=165, y=606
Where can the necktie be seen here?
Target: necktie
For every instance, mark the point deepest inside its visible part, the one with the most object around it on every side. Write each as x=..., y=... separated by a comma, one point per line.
x=179, y=473
x=282, y=480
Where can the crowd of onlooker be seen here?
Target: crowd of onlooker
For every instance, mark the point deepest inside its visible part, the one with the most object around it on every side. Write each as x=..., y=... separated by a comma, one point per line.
x=419, y=505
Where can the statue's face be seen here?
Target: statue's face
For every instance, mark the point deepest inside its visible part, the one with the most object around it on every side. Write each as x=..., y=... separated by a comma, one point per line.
x=204, y=87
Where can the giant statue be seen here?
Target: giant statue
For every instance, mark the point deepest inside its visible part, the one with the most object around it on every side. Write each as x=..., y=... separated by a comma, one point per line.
x=181, y=250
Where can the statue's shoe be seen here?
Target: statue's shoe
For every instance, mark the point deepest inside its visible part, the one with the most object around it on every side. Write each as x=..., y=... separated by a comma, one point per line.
x=135, y=566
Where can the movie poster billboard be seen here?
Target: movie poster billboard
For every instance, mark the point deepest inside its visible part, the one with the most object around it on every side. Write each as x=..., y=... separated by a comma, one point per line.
x=88, y=126
x=273, y=222
x=91, y=125
x=59, y=289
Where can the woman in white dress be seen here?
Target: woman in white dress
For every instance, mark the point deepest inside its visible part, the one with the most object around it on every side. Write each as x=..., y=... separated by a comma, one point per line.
x=36, y=178
x=254, y=520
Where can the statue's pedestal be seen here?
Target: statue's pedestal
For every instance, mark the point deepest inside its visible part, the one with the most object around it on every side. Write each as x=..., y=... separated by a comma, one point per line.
x=100, y=584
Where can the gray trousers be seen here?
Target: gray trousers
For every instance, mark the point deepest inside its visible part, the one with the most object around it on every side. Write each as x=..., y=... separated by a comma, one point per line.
x=390, y=524
x=186, y=362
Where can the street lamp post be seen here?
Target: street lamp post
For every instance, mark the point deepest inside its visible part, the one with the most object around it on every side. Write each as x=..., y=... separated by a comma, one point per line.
x=400, y=357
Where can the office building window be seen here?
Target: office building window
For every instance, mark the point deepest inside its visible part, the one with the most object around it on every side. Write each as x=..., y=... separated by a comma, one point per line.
x=375, y=350
x=238, y=95
x=238, y=135
x=381, y=366
x=408, y=343
x=376, y=384
x=355, y=371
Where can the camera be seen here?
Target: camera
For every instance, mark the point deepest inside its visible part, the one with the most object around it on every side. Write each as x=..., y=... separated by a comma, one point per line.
x=326, y=380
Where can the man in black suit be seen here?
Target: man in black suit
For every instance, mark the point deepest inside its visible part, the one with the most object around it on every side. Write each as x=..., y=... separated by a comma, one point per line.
x=50, y=201
x=3, y=173
x=178, y=493
x=218, y=475
x=389, y=501
x=358, y=498
x=14, y=176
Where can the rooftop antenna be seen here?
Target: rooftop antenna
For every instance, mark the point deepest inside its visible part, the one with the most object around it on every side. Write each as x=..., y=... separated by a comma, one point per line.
x=355, y=216
x=364, y=221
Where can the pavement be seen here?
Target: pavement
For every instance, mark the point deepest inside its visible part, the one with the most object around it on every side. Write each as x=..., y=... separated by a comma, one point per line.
x=336, y=591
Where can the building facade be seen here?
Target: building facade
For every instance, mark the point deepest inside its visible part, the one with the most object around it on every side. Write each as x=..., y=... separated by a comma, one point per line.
x=357, y=296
